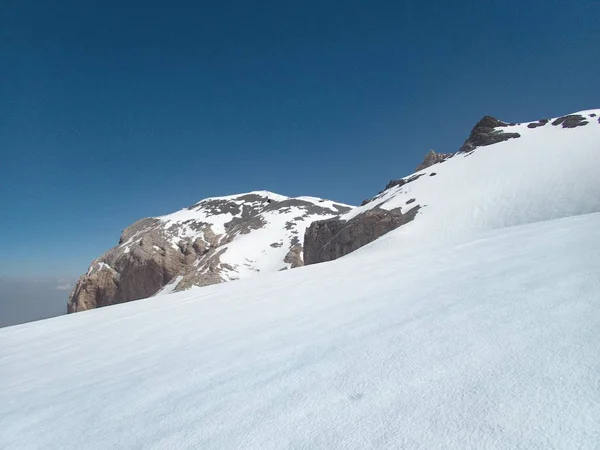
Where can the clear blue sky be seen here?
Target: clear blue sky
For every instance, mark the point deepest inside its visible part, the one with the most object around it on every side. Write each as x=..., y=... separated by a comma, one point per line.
x=113, y=110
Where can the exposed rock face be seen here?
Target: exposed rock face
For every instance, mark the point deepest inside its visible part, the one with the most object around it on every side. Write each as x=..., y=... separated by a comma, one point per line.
x=128, y=273
x=539, y=123
x=326, y=240
x=213, y=241
x=401, y=182
x=433, y=158
x=294, y=257
x=487, y=131
x=570, y=121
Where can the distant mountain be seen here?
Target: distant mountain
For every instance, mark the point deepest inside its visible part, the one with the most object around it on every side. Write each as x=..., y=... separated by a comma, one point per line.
x=216, y=240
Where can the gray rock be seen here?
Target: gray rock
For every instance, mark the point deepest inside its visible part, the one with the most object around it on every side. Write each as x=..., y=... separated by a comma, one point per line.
x=400, y=182
x=539, y=123
x=571, y=121
x=294, y=257
x=432, y=158
x=326, y=240
x=487, y=132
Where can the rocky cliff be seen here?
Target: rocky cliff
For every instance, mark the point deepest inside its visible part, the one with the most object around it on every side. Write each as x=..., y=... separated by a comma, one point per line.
x=488, y=131
x=326, y=240
x=215, y=240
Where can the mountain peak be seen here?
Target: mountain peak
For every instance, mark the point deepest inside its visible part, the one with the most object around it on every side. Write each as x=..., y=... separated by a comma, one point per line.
x=487, y=131
x=249, y=196
x=217, y=239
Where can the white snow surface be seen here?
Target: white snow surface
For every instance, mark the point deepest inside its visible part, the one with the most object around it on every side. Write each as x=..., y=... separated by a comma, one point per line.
x=549, y=172
x=170, y=286
x=491, y=343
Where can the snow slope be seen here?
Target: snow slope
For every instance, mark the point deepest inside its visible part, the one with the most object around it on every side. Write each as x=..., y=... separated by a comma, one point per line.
x=491, y=343
x=549, y=172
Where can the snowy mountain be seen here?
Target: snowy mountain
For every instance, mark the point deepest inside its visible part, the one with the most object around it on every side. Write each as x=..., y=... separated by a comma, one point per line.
x=504, y=175
x=467, y=315
x=215, y=240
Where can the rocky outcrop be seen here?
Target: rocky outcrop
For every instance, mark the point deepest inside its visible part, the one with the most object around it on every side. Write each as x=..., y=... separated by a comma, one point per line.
x=570, y=121
x=432, y=158
x=133, y=272
x=295, y=257
x=213, y=241
x=487, y=131
x=326, y=240
x=539, y=123
x=401, y=182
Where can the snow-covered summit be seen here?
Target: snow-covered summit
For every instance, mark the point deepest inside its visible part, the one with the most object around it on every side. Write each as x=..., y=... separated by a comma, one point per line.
x=504, y=175
x=217, y=239
x=550, y=171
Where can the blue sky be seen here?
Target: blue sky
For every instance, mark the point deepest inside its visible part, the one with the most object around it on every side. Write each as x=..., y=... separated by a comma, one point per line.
x=112, y=111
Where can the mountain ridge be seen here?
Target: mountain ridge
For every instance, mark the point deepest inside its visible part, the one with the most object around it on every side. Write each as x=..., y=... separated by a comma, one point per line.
x=450, y=195
x=224, y=238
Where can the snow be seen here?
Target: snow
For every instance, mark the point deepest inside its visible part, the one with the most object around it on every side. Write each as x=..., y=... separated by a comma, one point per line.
x=170, y=287
x=254, y=253
x=323, y=202
x=491, y=343
x=177, y=229
x=257, y=244
x=267, y=194
x=97, y=267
